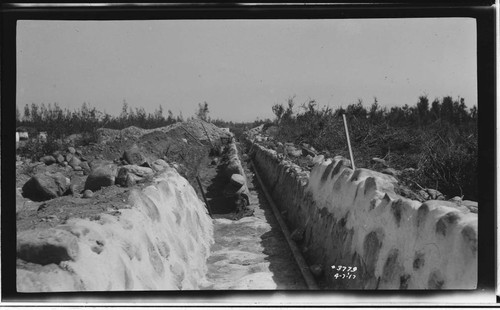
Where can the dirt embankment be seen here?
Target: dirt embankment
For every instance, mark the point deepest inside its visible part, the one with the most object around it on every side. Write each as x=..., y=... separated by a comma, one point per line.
x=131, y=161
x=354, y=220
x=178, y=147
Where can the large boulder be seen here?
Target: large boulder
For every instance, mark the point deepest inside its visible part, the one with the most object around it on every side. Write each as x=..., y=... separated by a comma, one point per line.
x=131, y=174
x=133, y=156
x=101, y=176
x=236, y=188
x=45, y=186
x=60, y=159
x=48, y=246
x=237, y=180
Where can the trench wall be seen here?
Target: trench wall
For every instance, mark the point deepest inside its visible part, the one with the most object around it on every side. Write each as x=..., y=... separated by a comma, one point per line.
x=234, y=162
x=160, y=243
x=355, y=219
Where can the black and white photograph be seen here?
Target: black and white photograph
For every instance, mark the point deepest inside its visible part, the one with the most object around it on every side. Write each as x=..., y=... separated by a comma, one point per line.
x=247, y=154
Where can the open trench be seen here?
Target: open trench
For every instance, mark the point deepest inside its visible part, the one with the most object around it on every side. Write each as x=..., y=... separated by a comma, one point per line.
x=250, y=250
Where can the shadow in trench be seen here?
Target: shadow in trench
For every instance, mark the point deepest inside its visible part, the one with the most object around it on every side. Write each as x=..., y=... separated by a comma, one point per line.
x=218, y=203
x=285, y=271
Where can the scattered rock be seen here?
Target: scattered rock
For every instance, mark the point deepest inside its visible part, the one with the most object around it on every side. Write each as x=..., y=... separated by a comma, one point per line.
x=379, y=161
x=310, y=160
x=101, y=176
x=327, y=154
x=71, y=150
x=391, y=171
x=471, y=205
x=48, y=160
x=214, y=161
x=60, y=159
x=133, y=156
x=131, y=174
x=45, y=186
x=435, y=194
x=72, y=190
x=78, y=153
x=68, y=157
x=64, y=164
x=85, y=166
x=88, y=194
x=129, y=180
x=422, y=193
x=74, y=162
x=292, y=151
x=159, y=165
x=138, y=170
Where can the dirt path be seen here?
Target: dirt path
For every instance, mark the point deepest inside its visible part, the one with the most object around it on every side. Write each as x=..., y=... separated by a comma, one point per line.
x=251, y=253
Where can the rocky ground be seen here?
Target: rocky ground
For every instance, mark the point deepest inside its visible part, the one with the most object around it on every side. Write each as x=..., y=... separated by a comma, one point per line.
x=85, y=181
x=250, y=251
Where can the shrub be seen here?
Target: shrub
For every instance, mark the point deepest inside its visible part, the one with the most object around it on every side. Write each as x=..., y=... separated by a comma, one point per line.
x=441, y=148
x=450, y=166
x=34, y=149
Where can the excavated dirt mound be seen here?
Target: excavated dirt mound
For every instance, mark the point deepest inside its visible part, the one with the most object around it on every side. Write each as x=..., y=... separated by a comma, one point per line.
x=191, y=130
x=200, y=130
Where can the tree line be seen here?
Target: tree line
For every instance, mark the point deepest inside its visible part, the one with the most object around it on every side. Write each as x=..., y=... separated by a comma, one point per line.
x=58, y=122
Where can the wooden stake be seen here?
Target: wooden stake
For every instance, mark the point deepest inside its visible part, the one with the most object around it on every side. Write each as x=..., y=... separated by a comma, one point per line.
x=348, y=142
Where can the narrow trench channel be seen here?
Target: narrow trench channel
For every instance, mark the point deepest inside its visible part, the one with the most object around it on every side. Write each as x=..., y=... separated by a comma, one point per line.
x=250, y=250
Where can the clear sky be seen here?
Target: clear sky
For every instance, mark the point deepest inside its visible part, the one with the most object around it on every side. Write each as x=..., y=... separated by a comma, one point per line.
x=243, y=67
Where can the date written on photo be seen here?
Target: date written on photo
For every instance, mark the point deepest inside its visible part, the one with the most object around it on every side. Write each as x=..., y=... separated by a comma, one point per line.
x=344, y=272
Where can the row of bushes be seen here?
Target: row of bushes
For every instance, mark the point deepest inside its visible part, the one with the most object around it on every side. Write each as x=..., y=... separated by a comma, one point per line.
x=439, y=140
x=59, y=123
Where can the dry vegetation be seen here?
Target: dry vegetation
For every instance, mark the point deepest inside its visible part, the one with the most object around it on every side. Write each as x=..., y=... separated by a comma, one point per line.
x=438, y=140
